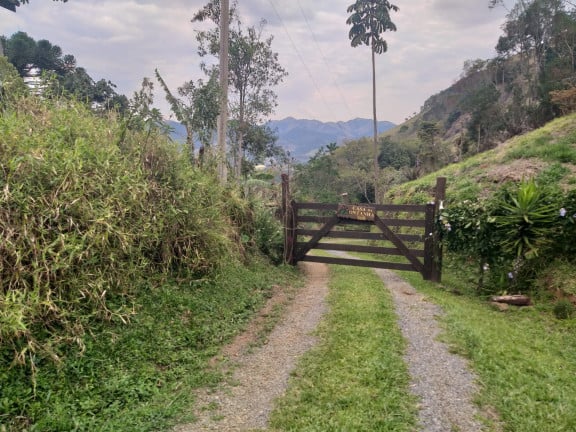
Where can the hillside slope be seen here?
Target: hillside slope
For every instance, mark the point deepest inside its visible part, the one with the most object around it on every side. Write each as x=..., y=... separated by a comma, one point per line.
x=547, y=154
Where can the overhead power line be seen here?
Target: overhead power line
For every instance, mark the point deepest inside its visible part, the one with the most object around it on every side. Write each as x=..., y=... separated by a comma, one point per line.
x=317, y=87
x=328, y=67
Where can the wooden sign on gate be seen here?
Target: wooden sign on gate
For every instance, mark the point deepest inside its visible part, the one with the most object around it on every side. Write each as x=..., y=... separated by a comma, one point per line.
x=355, y=212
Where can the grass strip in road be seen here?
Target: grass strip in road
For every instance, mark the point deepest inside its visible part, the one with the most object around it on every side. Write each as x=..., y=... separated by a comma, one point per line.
x=355, y=379
x=525, y=358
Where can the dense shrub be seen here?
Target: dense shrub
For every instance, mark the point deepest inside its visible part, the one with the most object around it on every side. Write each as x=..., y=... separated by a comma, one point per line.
x=563, y=309
x=84, y=219
x=269, y=234
x=512, y=234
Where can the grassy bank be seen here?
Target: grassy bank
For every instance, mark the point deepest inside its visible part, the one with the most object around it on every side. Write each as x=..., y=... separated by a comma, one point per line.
x=525, y=358
x=123, y=269
x=140, y=377
x=356, y=378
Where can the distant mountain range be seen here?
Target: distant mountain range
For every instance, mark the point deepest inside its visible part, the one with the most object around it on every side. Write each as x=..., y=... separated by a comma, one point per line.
x=302, y=138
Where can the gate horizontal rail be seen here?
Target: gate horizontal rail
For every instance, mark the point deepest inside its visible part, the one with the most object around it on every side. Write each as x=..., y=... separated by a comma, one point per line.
x=361, y=235
x=364, y=249
x=390, y=222
x=358, y=263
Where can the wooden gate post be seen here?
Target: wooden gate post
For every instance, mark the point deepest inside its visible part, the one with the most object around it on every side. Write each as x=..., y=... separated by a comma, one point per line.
x=439, y=197
x=429, y=242
x=289, y=221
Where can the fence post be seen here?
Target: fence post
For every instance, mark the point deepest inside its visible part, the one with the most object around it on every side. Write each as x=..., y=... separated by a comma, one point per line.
x=429, y=241
x=439, y=197
x=288, y=220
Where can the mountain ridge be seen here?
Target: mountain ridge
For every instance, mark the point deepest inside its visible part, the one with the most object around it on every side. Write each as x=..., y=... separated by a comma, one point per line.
x=302, y=138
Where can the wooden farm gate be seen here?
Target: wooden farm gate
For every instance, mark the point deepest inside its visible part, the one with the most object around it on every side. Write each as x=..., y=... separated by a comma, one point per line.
x=416, y=239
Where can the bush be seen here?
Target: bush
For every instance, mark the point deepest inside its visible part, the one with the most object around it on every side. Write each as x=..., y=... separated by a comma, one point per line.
x=513, y=234
x=526, y=216
x=84, y=220
x=564, y=309
x=269, y=235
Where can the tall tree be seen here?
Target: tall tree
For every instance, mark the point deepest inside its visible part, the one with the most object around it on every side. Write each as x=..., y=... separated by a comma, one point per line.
x=427, y=133
x=48, y=56
x=369, y=19
x=254, y=70
x=65, y=76
x=197, y=111
x=354, y=161
x=318, y=179
x=542, y=35
x=20, y=50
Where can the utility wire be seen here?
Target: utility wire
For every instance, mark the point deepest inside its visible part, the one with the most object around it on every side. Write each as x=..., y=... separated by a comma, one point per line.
x=301, y=58
x=328, y=67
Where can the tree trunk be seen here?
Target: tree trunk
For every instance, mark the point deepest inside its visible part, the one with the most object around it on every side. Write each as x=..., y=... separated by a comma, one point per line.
x=190, y=142
x=223, y=117
x=239, y=153
x=376, y=187
x=516, y=300
x=479, y=141
x=240, y=138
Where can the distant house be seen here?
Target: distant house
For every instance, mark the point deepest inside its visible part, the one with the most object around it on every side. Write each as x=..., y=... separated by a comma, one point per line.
x=33, y=80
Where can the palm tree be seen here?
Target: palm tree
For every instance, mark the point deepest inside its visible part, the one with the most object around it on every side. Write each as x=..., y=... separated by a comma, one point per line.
x=369, y=19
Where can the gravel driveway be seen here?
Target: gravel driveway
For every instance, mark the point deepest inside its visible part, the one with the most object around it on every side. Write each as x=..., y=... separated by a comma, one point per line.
x=440, y=379
x=261, y=375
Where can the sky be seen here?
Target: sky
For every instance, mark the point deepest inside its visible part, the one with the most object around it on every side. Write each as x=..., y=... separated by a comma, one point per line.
x=125, y=40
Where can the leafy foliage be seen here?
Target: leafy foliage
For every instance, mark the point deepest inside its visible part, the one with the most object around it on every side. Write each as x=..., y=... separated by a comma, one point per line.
x=508, y=232
x=368, y=20
x=83, y=220
x=486, y=116
x=525, y=218
x=141, y=377
x=254, y=72
x=13, y=4
x=197, y=112
x=12, y=87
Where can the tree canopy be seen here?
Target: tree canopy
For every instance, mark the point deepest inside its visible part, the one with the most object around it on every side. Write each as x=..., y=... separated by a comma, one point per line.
x=13, y=4
x=368, y=20
x=254, y=70
x=60, y=70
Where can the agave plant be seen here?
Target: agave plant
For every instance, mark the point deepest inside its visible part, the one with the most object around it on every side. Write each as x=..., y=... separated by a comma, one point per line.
x=526, y=219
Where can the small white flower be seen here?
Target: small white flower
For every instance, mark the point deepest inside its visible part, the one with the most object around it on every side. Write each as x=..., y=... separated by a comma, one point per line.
x=510, y=275
x=486, y=267
x=562, y=212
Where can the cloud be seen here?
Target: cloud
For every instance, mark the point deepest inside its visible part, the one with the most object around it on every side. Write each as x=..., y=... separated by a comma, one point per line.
x=125, y=40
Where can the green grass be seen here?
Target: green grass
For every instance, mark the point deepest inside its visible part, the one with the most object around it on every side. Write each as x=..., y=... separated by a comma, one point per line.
x=140, y=377
x=525, y=359
x=541, y=144
x=355, y=380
